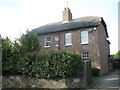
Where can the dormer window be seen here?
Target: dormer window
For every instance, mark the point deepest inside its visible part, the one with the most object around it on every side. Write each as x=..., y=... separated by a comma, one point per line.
x=47, y=41
x=68, y=39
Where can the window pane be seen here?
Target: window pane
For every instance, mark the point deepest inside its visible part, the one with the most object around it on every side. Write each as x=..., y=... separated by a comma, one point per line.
x=47, y=44
x=84, y=37
x=84, y=33
x=68, y=39
x=84, y=40
x=47, y=41
x=85, y=55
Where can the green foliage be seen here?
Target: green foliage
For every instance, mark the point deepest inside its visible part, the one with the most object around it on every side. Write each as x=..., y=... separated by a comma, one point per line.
x=94, y=78
x=29, y=42
x=95, y=71
x=22, y=57
x=24, y=65
x=26, y=43
x=12, y=52
x=51, y=64
x=117, y=55
x=6, y=54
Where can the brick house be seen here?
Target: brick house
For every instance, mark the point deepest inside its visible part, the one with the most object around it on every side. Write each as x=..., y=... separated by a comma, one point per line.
x=86, y=36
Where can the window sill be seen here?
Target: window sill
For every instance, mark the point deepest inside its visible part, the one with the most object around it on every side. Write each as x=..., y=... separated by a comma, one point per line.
x=84, y=43
x=57, y=45
x=46, y=46
x=68, y=45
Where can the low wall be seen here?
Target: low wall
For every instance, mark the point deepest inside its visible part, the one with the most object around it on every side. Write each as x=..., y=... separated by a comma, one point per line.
x=43, y=83
x=27, y=82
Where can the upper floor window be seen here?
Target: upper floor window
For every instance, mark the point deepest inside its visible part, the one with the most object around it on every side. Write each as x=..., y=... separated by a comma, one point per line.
x=85, y=55
x=84, y=37
x=47, y=41
x=68, y=39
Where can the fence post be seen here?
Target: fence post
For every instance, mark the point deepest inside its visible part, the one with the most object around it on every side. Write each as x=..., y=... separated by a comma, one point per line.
x=87, y=72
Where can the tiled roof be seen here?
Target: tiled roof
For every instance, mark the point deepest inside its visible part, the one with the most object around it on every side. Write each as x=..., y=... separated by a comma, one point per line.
x=78, y=23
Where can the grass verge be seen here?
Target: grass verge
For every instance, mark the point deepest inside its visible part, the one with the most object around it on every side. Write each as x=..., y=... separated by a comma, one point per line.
x=95, y=78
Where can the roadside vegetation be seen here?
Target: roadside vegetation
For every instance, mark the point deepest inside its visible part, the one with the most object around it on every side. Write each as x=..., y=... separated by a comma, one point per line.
x=12, y=52
x=117, y=55
x=22, y=57
x=95, y=74
x=114, y=62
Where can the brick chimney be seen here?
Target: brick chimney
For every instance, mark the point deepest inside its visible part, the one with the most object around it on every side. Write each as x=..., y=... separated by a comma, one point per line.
x=67, y=15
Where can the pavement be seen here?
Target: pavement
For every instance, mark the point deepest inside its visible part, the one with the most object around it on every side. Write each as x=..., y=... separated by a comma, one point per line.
x=111, y=81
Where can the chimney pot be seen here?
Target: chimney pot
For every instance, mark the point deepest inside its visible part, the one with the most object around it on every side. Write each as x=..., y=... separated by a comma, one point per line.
x=67, y=15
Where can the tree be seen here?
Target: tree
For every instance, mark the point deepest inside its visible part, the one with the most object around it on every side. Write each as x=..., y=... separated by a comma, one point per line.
x=13, y=51
x=117, y=55
x=28, y=42
x=6, y=54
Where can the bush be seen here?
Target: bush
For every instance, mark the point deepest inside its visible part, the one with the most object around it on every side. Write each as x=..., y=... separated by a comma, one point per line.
x=51, y=64
x=95, y=71
x=24, y=65
x=15, y=52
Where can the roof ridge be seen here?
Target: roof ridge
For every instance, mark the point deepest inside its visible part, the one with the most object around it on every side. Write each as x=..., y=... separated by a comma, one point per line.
x=73, y=19
x=82, y=22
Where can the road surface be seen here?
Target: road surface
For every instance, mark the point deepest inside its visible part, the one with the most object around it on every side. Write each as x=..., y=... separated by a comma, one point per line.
x=109, y=80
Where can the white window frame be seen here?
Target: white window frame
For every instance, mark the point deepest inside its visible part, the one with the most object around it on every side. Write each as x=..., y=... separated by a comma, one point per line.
x=68, y=39
x=84, y=37
x=47, y=42
x=85, y=55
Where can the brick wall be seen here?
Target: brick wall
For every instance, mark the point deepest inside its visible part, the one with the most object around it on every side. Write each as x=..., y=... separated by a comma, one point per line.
x=97, y=51
x=103, y=49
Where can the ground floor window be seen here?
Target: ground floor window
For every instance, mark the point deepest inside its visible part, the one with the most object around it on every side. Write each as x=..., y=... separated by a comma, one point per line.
x=85, y=55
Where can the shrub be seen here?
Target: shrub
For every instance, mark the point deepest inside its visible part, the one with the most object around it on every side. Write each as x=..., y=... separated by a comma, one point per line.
x=95, y=71
x=24, y=65
x=51, y=64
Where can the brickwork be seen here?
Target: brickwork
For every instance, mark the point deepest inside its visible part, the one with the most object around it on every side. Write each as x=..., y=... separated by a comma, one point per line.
x=98, y=51
x=103, y=49
x=67, y=15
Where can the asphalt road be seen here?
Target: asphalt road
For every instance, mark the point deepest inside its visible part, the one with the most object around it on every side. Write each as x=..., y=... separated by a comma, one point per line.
x=109, y=80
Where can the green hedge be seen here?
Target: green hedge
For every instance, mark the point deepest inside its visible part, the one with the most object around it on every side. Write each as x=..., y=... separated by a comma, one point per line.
x=50, y=64
x=95, y=71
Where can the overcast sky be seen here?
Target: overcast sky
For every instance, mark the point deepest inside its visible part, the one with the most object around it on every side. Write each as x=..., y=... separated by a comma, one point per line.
x=18, y=15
